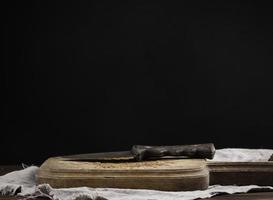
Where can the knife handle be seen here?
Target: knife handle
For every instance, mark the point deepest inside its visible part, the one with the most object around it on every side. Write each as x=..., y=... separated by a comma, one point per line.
x=142, y=152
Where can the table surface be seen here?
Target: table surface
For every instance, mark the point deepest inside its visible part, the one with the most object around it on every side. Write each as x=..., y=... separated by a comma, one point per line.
x=248, y=196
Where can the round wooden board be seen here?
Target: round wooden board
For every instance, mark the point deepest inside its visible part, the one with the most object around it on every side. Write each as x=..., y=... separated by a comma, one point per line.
x=165, y=174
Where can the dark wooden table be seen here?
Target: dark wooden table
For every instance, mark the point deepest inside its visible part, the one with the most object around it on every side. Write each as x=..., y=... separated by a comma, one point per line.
x=248, y=196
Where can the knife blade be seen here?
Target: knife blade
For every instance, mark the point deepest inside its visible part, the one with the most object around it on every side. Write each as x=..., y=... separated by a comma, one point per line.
x=142, y=152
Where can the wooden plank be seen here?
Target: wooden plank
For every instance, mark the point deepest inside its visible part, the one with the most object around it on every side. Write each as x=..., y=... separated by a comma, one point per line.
x=241, y=173
x=248, y=196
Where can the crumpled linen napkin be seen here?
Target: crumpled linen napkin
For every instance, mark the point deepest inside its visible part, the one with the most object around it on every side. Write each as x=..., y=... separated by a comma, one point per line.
x=242, y=155
x=18, y=181
x=84, y=193
x=22, y=182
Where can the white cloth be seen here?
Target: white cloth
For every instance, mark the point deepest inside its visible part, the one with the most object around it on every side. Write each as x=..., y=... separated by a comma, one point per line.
x=84, y=193
x=242, y=155
x=22, y=183
x=18, y=181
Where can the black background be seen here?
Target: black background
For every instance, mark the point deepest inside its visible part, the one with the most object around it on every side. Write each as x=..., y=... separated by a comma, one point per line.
x=86, y=76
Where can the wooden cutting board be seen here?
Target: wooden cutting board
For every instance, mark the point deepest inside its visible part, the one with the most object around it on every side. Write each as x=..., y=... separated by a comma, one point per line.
x=165, y=174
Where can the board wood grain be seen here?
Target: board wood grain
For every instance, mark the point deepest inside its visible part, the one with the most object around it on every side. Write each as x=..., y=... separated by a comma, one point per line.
x=167, y=174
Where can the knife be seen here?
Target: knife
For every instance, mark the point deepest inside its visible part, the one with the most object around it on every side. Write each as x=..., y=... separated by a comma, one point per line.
x=141, y=153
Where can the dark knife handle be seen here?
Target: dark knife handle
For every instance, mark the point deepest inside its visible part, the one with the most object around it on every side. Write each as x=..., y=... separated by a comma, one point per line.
x=142, y=152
